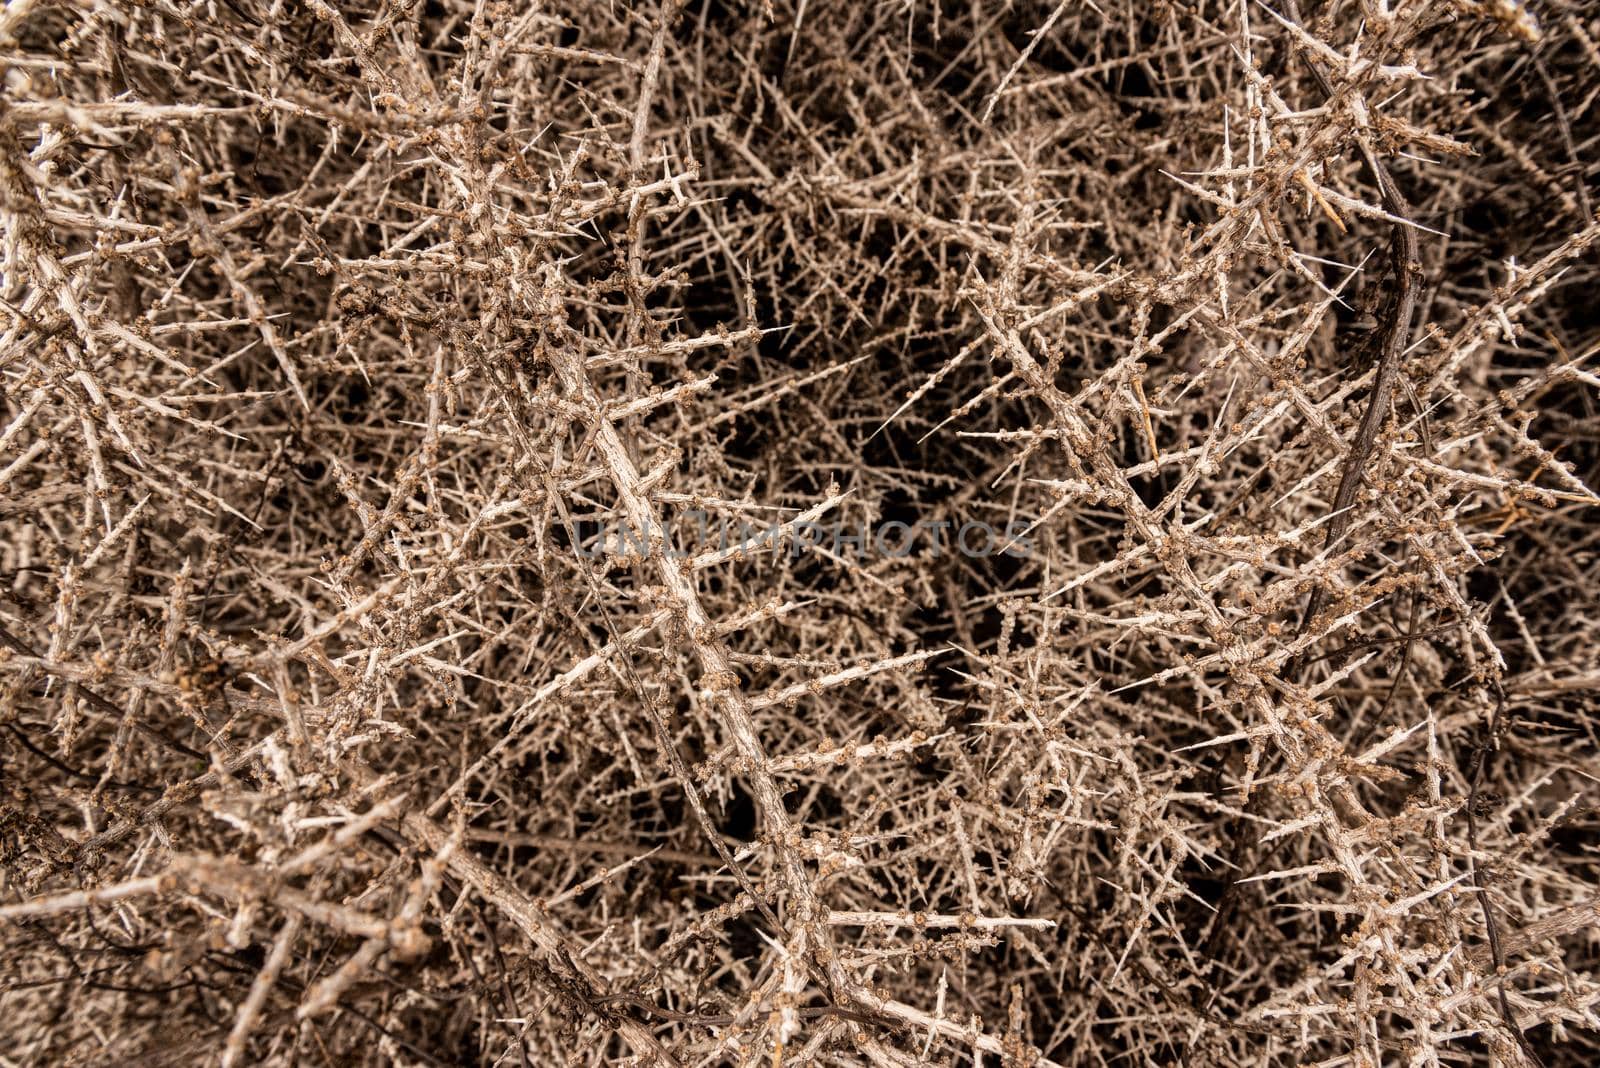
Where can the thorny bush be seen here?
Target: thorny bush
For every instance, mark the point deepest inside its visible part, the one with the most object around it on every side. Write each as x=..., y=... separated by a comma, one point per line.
x=336, y=337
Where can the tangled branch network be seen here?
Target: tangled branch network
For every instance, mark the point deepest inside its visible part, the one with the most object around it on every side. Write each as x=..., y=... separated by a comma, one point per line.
x=799, y=532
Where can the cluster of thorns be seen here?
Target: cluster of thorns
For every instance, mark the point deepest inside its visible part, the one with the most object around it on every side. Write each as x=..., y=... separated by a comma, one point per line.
x=340, y=344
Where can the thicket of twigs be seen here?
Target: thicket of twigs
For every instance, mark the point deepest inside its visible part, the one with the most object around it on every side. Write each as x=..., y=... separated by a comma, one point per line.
x=356, y=360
